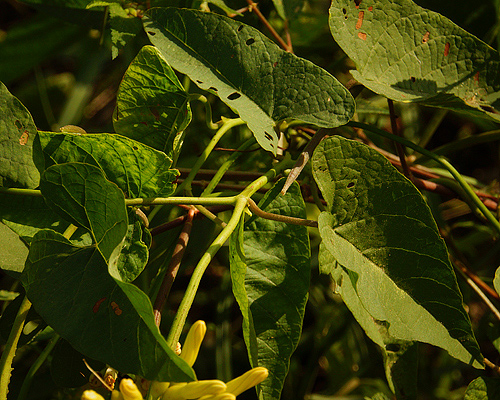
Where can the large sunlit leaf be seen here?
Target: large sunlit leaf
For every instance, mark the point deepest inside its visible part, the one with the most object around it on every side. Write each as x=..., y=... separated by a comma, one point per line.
x=270, y=272
x=137, y=169
x=152, y=106
x=82, y=297
x=379, y=229
x=251, y=74
x=17, y=131
x=409, y=53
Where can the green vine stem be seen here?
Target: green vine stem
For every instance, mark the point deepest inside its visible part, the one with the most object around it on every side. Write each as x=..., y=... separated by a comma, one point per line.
x=441, y=160
x=23, y=393
x=11, y=346
x=208, y=109
x=227, y=125
x=241, y=202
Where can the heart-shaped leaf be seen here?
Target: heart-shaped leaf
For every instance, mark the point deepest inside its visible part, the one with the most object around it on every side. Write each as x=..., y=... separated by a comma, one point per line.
x=17, y=131
x=251, y=74
x=409, y=53
x=270, y=272
x=138, y=170
x=152, y=106
x=397, y=277
x=71, y=286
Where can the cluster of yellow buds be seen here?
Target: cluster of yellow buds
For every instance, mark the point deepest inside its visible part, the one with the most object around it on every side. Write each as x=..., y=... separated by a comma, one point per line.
x=202, y=390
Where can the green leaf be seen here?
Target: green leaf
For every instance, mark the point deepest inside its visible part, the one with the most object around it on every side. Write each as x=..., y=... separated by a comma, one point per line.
x=101, y=317
x=17, y=131
x=152, y=107
x=252, y=75
x=409, y=53
x=134, y=253
x=496, y=280
x=270, y=270
x=138, y=170
x=81, y=193
x=380, y=230
x=483, y=388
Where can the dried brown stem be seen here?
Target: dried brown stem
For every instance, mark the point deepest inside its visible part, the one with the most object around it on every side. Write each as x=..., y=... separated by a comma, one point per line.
x=279, y=39
x=173, y=267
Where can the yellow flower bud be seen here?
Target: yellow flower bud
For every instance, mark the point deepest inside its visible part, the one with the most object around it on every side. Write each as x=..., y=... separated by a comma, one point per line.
x=158, y=388
x=222, y=396
x=193, y=390
x=129, y=390
x=116, y=395
x=91, y=395
x=193, y=342
x=247, y=380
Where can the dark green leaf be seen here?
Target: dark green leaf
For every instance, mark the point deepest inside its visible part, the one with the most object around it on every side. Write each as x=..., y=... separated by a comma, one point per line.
x=288, y=9
x=17, y=131
x=408, y=53
x=103, y=318
x=270, y=271
x=380, y=230
x=252, y=75
x=67, y=367
x=152, y=106
x=483, y=388
x=138, y=170
x=81, y=193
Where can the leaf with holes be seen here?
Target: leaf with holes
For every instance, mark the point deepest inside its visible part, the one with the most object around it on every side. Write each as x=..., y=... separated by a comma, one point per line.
x=270, y=271
x=408, y=53
x=263, y=83
x=17, y=131
x=138, y=170
x=379, y=229
x=152, y=106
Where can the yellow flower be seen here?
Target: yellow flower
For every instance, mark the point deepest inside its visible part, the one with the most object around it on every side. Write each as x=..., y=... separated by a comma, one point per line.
x=202, y=390
x=91, y=395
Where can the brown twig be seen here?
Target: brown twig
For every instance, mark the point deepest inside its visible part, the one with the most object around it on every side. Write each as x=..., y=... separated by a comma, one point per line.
x=173, y=267
x=304, y=158
x=399, y=147
x=491, y=365
x=279, y=39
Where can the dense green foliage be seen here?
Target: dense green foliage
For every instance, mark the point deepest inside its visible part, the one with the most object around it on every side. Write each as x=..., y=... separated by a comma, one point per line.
x=168, y=161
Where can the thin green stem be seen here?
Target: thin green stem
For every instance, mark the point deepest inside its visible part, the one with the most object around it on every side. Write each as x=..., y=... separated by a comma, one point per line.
x=11, y=346
x=35, y=366
x=21, y=192
x=441, y=160
x=228, y=124
x=204, y=201
x=187, y=300
x=208, y=109
x=224, y=167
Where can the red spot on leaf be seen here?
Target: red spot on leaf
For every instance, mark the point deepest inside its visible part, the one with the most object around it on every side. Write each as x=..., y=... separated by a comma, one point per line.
x=98, y=304
x=361, y=15
x=116, y=308
x=476, y=77
x=357, y=2
x=370, y=8
x=447, y=49
x=24, y=138
x=144, y=123
x=275, y=64
x=425, y=39
x=362, y=35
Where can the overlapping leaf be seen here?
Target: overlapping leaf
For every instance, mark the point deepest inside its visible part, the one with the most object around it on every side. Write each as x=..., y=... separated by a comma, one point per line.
x=71, y=286
x=152, y=106
x=397, y=279
x=137, y=169
x=17, y=131
x=270, y=272
x=409, y=53
x=483, y=388
x=263, y=83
